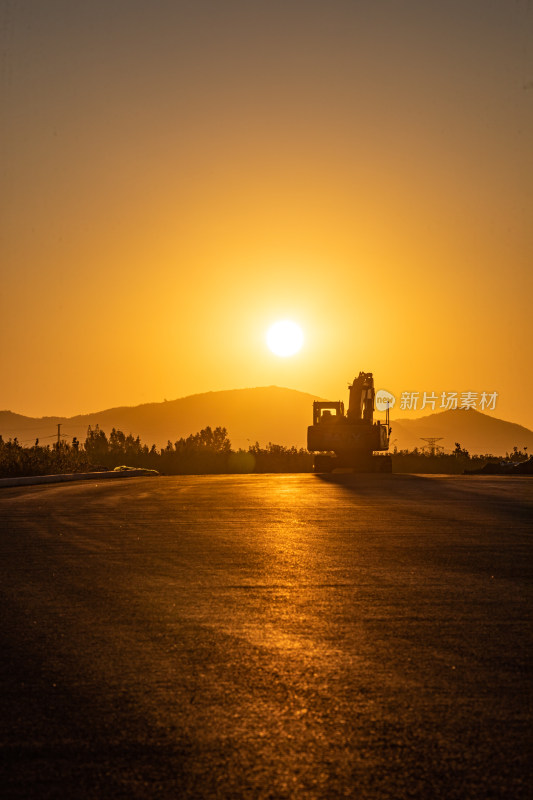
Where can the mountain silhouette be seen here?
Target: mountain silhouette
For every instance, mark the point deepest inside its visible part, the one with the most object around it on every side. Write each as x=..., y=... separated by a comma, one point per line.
x=477, y=432
x=264, y=414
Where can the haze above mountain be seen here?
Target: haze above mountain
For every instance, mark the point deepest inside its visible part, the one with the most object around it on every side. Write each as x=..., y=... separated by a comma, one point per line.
x=263, y=414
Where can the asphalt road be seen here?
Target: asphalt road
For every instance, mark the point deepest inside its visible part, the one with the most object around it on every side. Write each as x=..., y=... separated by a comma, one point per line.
x=277, y=636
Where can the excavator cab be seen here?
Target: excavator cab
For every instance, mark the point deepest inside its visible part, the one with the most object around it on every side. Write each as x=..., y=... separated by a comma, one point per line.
x=327, y=413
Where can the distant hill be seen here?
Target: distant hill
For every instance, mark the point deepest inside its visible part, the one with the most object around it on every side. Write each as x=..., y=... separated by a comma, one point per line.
x=475, y=431
x=264, y=414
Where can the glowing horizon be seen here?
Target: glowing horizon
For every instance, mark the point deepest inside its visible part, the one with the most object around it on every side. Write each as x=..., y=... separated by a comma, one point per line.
x=175, y=181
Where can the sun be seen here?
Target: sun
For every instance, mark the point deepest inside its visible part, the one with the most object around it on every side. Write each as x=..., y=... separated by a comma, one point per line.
x=285, y=338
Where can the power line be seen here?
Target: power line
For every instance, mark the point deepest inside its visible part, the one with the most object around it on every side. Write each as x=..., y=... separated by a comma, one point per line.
x=56, y=436
x=22, y=431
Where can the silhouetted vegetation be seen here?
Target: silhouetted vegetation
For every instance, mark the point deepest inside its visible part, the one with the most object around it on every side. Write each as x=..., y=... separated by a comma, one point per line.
x=276, y=458
x=206, y=452
x=453, y=463
x=16, y=460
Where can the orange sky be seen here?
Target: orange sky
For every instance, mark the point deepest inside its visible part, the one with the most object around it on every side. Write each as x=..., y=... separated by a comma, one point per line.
x=178, y=175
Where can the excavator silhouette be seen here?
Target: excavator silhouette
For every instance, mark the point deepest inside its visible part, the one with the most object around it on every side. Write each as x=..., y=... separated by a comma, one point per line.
x=350, y=440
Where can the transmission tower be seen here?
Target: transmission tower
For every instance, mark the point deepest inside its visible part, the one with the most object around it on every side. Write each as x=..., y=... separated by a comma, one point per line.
x=432, y=445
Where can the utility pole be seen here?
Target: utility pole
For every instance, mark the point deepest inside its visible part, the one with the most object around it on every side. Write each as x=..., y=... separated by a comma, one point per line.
x=58, y=434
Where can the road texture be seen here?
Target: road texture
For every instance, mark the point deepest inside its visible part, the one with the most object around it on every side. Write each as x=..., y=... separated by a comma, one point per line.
x=276, y=636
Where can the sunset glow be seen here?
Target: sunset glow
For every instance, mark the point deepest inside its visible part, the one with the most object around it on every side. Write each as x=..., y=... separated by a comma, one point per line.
x=285, y=338
x=178, y=178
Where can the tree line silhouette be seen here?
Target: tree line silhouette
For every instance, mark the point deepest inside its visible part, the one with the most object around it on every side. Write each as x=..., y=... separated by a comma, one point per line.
x=454, y=463
x=207, y=452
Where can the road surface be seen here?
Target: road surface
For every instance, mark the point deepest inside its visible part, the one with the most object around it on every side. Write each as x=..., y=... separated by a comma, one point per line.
x=267, y=636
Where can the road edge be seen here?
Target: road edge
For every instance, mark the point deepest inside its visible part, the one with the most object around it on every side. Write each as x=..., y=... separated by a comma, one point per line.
x=35, y=480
